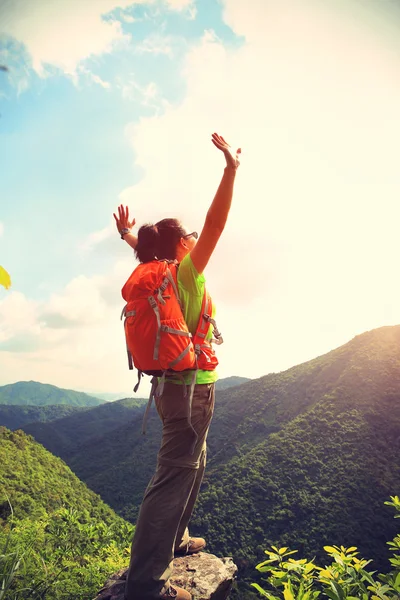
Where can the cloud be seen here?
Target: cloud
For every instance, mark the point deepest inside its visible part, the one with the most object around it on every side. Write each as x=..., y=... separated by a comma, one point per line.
x=97, y=237
x=1, y=228
x=93, y=77
x=67, y=33
x=310, y=250
x=64, y=33
x=147, y=95
x=309, y=256
x=180, y=5
x=14, y=56
x=74, y=336
x=155, y=44
x=18, y=318
x=128, y=18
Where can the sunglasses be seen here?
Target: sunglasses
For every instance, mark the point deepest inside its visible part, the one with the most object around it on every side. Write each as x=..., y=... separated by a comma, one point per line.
x=193, y=234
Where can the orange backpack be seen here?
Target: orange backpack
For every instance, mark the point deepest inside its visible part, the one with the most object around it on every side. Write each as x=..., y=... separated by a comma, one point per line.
x=157, y=337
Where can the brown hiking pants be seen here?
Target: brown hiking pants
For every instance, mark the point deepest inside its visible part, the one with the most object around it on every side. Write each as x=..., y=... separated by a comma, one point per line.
x=162, y=525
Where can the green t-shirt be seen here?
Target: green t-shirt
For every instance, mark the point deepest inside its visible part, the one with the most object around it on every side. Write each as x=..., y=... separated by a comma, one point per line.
x=191, y=289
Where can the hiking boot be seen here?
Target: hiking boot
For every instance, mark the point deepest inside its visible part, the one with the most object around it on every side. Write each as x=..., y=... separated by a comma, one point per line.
x=177, y=593
x=194, y=545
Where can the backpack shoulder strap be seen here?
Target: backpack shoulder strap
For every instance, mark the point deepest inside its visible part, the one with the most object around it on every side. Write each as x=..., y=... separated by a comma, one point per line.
x=205, y=321
x=203, y=325
x=174, y=280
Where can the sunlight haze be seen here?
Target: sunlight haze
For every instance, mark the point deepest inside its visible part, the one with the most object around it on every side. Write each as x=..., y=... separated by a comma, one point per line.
x=108, y=102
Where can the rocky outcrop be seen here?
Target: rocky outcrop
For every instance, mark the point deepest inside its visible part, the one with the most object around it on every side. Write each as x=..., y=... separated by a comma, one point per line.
x=204, y=575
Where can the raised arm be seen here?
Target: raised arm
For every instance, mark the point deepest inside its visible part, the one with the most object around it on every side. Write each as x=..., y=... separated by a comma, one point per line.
x=218, y=212
x=124, y=226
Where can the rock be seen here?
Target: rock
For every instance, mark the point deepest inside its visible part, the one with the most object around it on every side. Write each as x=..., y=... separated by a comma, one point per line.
x=204, y=575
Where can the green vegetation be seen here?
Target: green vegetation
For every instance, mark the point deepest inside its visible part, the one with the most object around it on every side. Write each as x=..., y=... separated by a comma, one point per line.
x=62, y=540
x=74, y=433
x=15, y=416
x=121, y=484
x=321, y=480
x=38, y=394
x=302, y=458
x=106, y=449
x=345, y=578
x=305, y=457
x=229, y=382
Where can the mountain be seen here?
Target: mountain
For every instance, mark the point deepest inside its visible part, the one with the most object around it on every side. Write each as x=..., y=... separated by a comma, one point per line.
x=228, y=382
x=87, y=441
x=118, y=465
x=110, y=396
x=15, y=416
x=67, y=435
x=69, y=539
x=36, y=482
x=305, y=457
x=39, y=394
x=221, y=384
x=364, y=374
x=64, y=436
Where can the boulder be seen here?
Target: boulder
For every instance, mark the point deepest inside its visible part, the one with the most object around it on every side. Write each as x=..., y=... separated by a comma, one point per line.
x=204, y=575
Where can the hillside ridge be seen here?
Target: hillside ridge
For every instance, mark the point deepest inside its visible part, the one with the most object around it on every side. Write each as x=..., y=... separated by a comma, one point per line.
x=34, y=393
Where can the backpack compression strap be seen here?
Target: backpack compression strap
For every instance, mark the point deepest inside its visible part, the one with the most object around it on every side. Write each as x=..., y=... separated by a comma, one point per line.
x=203, y=326
x=168, y=279
x=126, y=314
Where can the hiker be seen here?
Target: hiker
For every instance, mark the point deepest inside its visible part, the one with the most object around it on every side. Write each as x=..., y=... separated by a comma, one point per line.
x=162, y=525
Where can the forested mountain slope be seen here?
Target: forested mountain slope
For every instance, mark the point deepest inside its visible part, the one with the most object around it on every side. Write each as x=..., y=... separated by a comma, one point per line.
x=64, y=436
x=118, y=465
x=69, y=539
x=106, y=449
x=229, y=382
x=361, y=373
x=15, y=416
x=36, y=482
x=304, y=457
x=34, y=393
x=322, y=477
x=321, y=480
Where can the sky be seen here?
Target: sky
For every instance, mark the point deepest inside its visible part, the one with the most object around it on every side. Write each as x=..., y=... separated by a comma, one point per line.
x=108, y=102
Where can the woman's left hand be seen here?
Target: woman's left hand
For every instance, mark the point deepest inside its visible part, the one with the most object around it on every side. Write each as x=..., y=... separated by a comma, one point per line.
x=122, y=221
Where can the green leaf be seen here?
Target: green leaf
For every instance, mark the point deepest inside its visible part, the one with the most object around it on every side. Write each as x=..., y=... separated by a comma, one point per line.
x=278, y=574
x=288, y=592
x=338, y=589
x=264, y=593
x=331, y=550
x=397, y=583
x=331, y=593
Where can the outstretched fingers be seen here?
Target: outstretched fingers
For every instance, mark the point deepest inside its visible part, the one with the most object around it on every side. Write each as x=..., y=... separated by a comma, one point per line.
x=218, y=141
x=122, y=218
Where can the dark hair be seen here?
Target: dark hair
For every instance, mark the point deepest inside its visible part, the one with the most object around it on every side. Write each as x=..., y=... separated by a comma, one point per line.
x=159, y=241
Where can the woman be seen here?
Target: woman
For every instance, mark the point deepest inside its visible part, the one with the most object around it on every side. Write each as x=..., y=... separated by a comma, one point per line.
x=162, y=525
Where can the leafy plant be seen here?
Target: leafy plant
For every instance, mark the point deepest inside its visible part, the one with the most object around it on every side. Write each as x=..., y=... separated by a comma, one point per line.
x=9, y=561
x=345, y=578
x=59, y=540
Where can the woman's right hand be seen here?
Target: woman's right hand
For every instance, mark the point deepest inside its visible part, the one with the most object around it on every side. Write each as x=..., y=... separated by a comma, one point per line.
x=232, y=160
x=122, y=221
